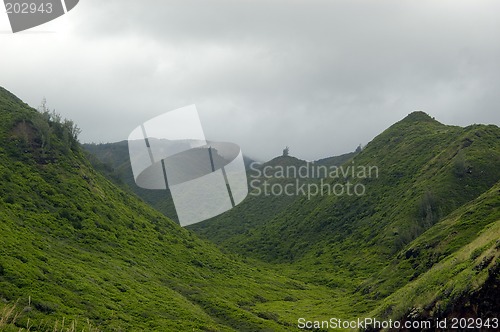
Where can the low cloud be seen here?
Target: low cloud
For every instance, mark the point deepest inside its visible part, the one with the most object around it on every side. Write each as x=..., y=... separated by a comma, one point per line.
x=318, y=76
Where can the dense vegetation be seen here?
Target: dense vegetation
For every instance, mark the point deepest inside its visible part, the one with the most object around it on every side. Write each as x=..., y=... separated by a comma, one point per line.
x=75, y=247
x=78, y=246
x=112, y=159
x=435, y=197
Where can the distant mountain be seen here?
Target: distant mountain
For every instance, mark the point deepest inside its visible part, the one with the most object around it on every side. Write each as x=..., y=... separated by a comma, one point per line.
x=263, y=204
x=113, y=160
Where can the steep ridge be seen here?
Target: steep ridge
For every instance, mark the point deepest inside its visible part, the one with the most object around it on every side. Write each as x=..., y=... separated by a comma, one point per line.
x=74, y=246
x=426, y=170
x=450, y=271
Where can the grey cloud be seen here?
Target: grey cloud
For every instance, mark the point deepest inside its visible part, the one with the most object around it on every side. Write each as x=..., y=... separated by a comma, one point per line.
x=319, y=76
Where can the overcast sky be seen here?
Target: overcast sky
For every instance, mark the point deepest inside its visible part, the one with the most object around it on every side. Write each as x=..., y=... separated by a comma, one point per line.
x=318, y=76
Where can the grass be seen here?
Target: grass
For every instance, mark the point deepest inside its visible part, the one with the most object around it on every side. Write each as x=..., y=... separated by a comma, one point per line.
x=10, y=314
x=84, y=248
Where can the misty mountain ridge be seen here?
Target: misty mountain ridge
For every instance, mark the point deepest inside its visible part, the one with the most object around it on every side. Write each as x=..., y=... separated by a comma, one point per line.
x=114, y=160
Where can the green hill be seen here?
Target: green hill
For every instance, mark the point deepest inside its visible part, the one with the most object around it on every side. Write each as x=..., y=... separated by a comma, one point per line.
x=75, y=247
x=427, y=173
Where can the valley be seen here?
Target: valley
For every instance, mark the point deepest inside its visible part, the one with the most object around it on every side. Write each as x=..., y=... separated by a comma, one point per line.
x=80, y=242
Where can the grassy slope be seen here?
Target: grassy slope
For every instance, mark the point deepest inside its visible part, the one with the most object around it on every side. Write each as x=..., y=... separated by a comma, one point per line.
x=74, y=245
x=113, y=160
x=458, y=258
x=427, y=170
